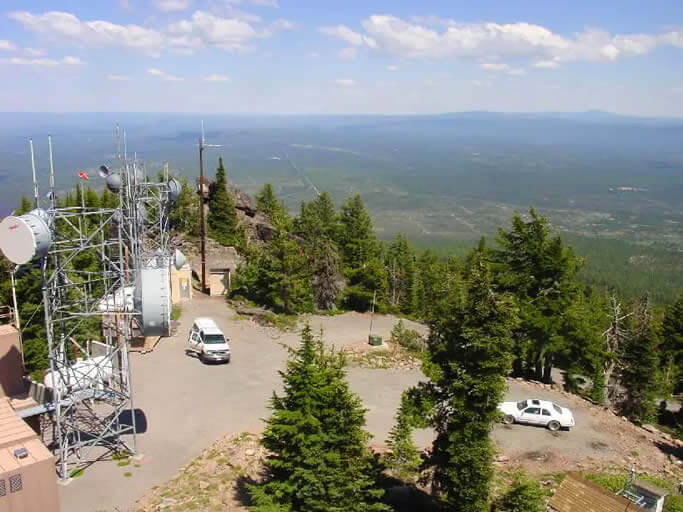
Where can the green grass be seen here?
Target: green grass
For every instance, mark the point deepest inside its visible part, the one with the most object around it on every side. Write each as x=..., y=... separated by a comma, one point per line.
x=281, y=322
x=77, y=472
x=176, y=312
x=616, y=482
x=128, y=474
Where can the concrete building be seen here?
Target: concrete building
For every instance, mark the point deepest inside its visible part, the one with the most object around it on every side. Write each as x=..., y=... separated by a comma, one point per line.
x=181, y=284
x=27, y=468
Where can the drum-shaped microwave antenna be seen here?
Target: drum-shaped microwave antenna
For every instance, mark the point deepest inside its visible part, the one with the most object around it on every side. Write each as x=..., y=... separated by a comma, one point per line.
x=178, y=259
x=103, y=171
x=25, y=237
x=152, y=299
x=173, y=190
x=113, y=183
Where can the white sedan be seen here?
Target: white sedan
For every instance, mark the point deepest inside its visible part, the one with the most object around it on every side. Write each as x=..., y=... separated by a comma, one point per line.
x=537, y=412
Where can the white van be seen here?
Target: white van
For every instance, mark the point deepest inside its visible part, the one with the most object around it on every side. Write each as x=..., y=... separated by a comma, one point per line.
x=208, y=341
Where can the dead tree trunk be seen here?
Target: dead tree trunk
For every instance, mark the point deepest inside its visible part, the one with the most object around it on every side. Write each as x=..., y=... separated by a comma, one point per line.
x=615, y=336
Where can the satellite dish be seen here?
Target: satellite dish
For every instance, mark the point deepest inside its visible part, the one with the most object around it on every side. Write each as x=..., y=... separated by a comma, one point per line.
x=26, y=237
x=178, y=259
x=113, y=183
x=173, y=190
x=103, y=171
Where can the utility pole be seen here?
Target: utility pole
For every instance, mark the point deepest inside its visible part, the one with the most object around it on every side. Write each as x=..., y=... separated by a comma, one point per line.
x=202, y=226
x=202, y=222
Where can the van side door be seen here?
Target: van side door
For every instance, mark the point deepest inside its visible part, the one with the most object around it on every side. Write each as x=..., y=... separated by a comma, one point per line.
x=194, y=340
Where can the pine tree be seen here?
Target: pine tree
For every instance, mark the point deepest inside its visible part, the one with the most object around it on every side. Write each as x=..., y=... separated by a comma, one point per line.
x=317, y=220
x=25, y=206
x=672, y=345
x=320, y=461
x=524, y=495
x=184, y=216
x=274, y=210
x=403, y=457
x=541, y=272
x=468, y=356
x=356, y=240
x=640, y=365
x=325, y=275
x=400, y=265
x=222, y=219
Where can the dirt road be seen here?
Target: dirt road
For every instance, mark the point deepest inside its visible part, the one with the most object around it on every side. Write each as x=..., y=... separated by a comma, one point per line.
x=189, y=405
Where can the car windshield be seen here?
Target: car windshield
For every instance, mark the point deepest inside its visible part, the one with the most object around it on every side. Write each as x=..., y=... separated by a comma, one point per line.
x=557, y=408
x=521, y=405
x=214, y=339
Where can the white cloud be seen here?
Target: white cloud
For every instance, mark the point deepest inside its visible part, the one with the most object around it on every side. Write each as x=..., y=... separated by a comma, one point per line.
x=494, y=66
x=185, y=36
x=34, y=52
x=392, y=67
x=173, y=5
x=67, y=61
x=482, y=83
x=516, y=71
x=345, y=82
x=215, y=77
x=260, y=3
x=64, y=25
x=6, y=45
x=72, y=61
x=118, y=78
x=546, y=64
x=346, y=34
x=312, y=55
x=434, y=37
x=164, y=76
x=348, y=53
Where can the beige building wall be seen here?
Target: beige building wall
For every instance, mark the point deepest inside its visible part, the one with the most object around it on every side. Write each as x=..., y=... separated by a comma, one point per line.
x=11, y=365
x=181, y=284
x=27, y=484
x=219, y=281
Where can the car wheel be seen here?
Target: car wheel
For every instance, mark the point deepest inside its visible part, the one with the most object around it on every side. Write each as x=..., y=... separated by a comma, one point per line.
x=554, y=426
x=508, y=419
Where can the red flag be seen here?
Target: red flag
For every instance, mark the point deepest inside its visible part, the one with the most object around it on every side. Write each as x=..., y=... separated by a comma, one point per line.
x=83, y=175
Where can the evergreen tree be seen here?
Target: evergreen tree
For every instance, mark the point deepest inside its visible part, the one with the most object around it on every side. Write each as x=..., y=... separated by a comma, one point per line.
x=541, y=272
x=184, y=216
x=222, y=219
x=525, y=495
x=364, y=284
x=317, y=220
x=640, y=365
x=274, y=210
x=468, y=356
x=316, y=431
x=400, y=265
x=325, y=275
x=356, y=240
x=25, y=206
x=403, y=457
x=672, y=345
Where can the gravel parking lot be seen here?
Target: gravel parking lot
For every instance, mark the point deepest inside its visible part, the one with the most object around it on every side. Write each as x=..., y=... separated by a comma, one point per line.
x=188, y=405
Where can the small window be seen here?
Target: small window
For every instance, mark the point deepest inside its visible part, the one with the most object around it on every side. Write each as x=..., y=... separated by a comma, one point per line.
x=535, y=402
x=533, y=410
x=545, y=412
x=3, y=490
x=15, y=483
x=521, y=405
x=557, y=408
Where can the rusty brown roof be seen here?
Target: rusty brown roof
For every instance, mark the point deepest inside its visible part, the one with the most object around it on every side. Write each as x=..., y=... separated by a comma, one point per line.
x=576, y=494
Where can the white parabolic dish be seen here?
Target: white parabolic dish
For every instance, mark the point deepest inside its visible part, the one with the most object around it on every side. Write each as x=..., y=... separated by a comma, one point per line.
x=24, y=238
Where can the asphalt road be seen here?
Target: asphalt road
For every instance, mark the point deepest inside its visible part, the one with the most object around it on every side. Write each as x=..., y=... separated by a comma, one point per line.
x=188, y=405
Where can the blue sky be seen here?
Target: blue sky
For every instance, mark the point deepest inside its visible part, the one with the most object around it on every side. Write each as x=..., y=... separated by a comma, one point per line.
x=373, y=56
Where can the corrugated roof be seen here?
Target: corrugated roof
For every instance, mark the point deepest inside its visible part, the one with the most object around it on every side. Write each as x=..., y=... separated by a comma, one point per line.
x=577, y=494
x=651, y=488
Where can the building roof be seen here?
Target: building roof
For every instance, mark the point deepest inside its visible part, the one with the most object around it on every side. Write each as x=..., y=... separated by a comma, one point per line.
x=577, y=494
x=650, y=488
x=12, y=428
